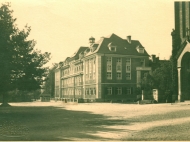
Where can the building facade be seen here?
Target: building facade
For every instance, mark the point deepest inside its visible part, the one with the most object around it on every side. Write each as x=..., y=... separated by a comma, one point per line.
x=108, y=70
x=181, y=49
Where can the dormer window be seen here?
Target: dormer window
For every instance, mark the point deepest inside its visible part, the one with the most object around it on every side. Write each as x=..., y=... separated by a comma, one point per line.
x=140, y=49
x=112, y=47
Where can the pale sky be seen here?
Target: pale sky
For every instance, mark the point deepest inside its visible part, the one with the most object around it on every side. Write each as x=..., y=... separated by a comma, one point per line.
x=62, y=26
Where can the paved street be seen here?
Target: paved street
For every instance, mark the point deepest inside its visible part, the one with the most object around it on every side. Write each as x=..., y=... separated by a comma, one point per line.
x=94, y=121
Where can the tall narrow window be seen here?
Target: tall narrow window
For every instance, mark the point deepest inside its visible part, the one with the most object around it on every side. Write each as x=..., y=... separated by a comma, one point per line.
x=128, y=69
x=119, y=90
x=87, y=69
x=142, y=62
x=128, y=91
x=109, y=75
x=109, y=68
x=118, y=67
x=118, y=75
x=94, y=68
x=109, y=90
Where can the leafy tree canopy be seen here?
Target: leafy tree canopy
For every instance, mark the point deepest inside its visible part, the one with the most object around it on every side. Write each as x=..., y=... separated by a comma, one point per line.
x=21, y=66
x=163, y=76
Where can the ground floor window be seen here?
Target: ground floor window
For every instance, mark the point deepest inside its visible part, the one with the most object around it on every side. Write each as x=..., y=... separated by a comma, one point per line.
x=119, y=90
x=109, y=90
x=87, y=92
x=90, y=91
x=129, y=91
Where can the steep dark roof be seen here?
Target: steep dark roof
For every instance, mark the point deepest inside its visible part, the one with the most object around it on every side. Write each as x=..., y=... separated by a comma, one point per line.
x=122, y=46
x=76, y=54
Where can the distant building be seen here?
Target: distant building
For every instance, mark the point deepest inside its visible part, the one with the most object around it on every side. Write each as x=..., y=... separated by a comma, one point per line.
x=181, y=48
x=109, y=69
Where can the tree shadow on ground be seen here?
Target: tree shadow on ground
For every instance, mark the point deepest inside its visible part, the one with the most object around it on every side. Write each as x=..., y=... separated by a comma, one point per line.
x=179, y=132
x=53, y=123
x=168, y=132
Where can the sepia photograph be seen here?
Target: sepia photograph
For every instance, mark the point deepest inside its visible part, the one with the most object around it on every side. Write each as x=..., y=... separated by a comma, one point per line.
x=94, y=70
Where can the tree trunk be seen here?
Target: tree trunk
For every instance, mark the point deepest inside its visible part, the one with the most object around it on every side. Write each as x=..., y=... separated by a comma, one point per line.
x=5, y=100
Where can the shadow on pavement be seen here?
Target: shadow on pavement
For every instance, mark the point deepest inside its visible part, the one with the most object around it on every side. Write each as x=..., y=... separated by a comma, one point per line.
x=53, y=123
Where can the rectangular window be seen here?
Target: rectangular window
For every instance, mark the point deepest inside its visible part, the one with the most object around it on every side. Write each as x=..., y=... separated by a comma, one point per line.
x=109, y=75
x=119, y=90
x=109, y=68
x=113, y=48
x=128, y=68
x=118, y=60
x=141, y=50
x=108, y=59
x=142, y=62
x=119, y=75
x=94, y=91
x=90, y=66
x=128, y=61
x=87, y=92
x=109, y=90
x=87, y=66
x=128, y=91
x=128, y=76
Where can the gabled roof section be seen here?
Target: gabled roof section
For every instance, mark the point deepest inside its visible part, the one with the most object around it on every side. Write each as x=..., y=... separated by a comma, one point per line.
x=122, y=46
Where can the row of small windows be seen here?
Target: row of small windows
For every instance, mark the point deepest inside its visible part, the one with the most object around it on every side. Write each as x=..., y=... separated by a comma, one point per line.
x=71, y=91
x=72, y=69
x=118, y=68
x=90, y=91
x=119, y=75
x=90, y=76
x=119, y=90
x=72, y=80
x=118, y=60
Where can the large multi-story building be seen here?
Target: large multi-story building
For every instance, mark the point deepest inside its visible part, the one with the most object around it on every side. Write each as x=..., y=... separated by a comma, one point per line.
x=109, y=69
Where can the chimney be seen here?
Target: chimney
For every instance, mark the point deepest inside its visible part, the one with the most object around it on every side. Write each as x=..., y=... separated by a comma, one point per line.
x=91, y=40
x=153, y=58
x=129, y=39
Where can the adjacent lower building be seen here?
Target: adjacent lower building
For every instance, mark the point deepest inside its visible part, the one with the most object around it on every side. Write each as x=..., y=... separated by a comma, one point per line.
x=108, y=70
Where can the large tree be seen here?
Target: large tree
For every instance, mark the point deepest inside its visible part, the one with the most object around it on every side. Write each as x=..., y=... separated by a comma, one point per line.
x=163, y=80
x=21, y=66
x=163, y=76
